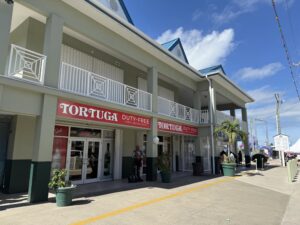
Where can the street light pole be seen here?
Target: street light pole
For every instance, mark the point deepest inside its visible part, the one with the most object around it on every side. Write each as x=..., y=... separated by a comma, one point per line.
x=267, y=132
x=278, y=127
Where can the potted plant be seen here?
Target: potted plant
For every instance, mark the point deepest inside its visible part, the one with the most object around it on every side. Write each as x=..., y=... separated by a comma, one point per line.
x=164, y=165
x=231, y=129
x=62, y=189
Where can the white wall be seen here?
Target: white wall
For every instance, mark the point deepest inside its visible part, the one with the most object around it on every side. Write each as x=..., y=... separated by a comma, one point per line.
x=162, y=91
x=90, y=63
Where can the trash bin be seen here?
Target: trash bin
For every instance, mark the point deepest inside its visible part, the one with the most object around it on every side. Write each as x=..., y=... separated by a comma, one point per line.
x=248, y=160
x=197, y=169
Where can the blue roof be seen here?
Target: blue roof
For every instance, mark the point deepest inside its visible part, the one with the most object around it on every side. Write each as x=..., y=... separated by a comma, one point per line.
x=122, y=5
x=212, y=69
x=170, y=45
x=126, y=11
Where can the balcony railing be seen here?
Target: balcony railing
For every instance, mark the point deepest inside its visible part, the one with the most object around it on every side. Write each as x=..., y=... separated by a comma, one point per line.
x=79, y=81
x=244, y=126
x=176, y=110
x=204, y=116
x=221, y=117
x=26, y=65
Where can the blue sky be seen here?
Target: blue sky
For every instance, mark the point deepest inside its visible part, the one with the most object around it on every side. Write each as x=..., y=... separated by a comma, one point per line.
x=243, y=36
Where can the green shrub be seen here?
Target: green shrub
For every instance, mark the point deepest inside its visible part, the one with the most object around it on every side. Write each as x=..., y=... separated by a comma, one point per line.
x=58, y=179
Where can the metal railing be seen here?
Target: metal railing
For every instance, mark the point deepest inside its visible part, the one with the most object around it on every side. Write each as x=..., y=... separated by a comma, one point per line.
x=169, y=108
x=221, y=117
x=204, y=116
x=26, y=65
x=77, y=80
x=243, y=126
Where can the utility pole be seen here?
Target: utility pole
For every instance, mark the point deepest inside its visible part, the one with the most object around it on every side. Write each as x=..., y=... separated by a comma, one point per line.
x=278, y=127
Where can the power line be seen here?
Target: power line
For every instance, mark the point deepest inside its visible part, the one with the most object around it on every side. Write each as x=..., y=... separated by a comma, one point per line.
x=285, y=48
x=295, y=45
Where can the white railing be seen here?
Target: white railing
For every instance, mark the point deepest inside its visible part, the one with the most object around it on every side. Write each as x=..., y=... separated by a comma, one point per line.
x=244, y=126
x=204, y=116
x=176, y=110
x=221, y=117
x=26, y=65
x=77, y=80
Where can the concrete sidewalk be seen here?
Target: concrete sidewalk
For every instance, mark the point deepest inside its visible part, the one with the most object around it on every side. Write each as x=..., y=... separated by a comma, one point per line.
x=275, y=178
x=253, y=198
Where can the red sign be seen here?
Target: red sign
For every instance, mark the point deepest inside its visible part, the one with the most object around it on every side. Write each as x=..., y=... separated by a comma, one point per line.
x=61, y=131
x=74, y=110
x=177, y=128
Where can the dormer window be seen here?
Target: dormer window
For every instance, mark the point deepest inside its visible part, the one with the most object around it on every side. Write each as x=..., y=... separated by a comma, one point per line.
x=117, y=7
x=114, y=5
x=179, y=53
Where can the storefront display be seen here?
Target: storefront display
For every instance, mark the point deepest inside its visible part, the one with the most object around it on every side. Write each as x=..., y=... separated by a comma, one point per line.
x=87, y=154
x=60, y=145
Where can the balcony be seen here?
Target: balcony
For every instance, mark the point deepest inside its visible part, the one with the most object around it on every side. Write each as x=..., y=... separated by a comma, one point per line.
x=221, y=117
x=204, y=116
x=26, y=65
x=83, y=82
x=178, y=111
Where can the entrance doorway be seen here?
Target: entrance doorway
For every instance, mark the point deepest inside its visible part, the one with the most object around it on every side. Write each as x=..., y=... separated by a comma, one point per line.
x=89, y=160
x=4, y=135
x=204, y=143
x=108, y=156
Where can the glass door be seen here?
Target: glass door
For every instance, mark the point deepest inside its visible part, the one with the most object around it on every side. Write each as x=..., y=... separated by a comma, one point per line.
x=92, y=161
x=189, y=155
x=108, y=158
x=76, y=160
x=204, y=144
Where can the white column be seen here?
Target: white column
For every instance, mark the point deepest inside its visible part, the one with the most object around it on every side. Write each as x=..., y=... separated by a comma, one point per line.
x=118, y=154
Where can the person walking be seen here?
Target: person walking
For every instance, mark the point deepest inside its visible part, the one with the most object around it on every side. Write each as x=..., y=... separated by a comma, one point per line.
x=138, y=159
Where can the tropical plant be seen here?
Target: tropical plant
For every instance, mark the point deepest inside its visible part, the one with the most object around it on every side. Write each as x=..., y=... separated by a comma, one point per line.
x=231, y=129
x=164, y=161
x=58, y=179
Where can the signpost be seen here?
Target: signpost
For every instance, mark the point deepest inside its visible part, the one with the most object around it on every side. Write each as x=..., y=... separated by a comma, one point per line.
x=281, y=143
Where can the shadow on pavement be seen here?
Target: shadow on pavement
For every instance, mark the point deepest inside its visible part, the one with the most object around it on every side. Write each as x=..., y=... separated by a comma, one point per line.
x=102, y=188
x=8, y=201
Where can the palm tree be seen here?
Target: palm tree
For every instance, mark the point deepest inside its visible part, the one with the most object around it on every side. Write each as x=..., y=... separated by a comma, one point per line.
x=232, y=130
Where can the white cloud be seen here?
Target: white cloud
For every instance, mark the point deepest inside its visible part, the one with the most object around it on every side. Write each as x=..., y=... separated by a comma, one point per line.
x=250, y=73
x=265, y=108
x=239, y=7
x=202, y=50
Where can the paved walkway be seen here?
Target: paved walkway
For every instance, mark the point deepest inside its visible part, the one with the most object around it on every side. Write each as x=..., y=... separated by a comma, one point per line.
x=253, y=198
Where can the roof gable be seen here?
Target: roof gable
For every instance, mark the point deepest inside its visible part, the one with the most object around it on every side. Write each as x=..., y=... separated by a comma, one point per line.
x=116, y=6
x=212, y=69
x=176, y=48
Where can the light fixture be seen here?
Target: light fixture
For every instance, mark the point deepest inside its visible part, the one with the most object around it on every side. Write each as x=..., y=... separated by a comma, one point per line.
x=156, y=140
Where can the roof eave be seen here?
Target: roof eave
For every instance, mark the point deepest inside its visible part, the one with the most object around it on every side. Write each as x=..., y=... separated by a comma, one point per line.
x=222, y=75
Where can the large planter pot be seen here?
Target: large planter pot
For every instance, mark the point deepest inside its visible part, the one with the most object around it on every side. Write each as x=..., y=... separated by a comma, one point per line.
x=64, y=196
x=165, y=176
x=229, y=169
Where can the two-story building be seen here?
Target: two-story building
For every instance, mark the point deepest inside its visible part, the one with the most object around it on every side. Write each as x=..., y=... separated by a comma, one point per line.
x=81, y=87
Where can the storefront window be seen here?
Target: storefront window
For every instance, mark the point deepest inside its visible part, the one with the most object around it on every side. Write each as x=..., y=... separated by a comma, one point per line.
x=85, y=132
x=108, y=134
x=60, y=145
x=189, y=153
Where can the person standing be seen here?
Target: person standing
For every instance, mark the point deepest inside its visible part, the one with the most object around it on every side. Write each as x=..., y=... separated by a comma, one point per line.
x=240, y=156
x=138, y=159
